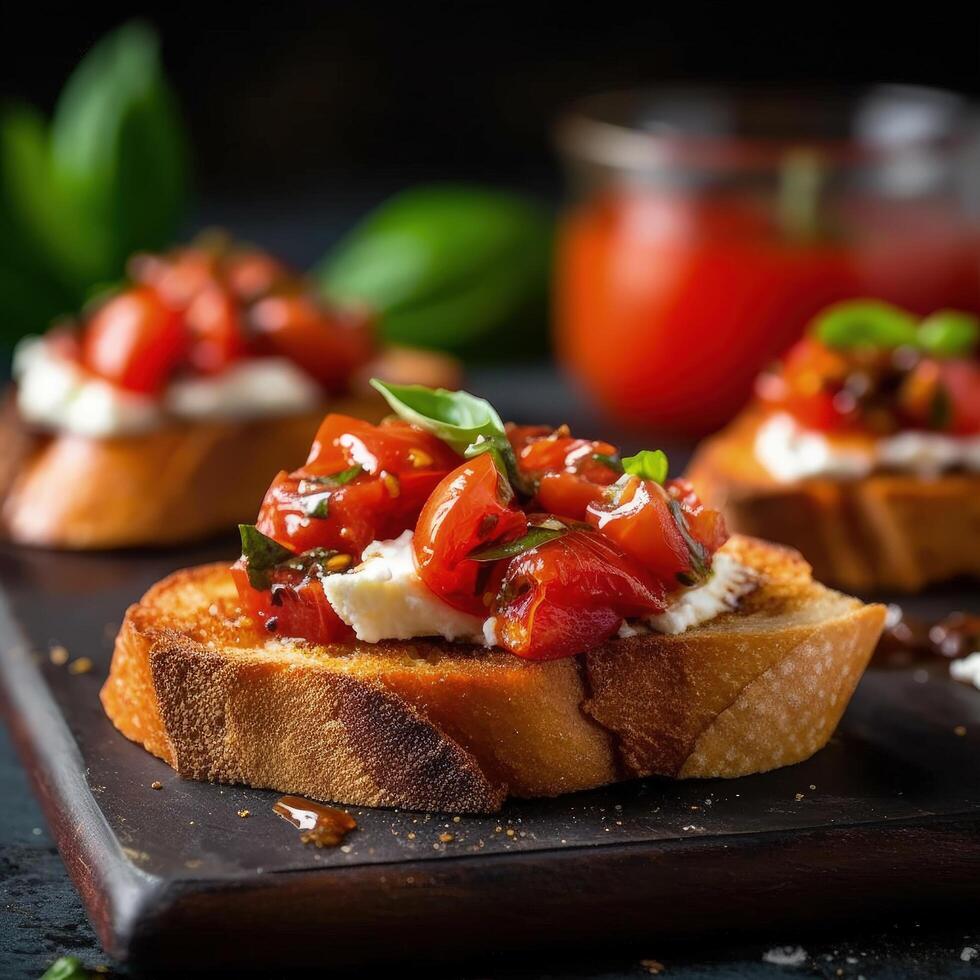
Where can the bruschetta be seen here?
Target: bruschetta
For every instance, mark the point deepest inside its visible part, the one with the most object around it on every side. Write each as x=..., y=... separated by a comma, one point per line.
x=441, y=611
x=862, y=450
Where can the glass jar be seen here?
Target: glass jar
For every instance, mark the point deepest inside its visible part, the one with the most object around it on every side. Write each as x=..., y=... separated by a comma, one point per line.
x=705, y=229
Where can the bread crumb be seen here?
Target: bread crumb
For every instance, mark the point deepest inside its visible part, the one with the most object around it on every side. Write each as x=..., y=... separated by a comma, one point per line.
x=457, y=819
x=652, y=966
x=156, y=784
x=411, y=835
x=786, y=956
x=58, y=656
x=80, y=666
x=511, y=832
x=960, y=730
x=969, y=953
x=446, y=838
x=798, y=797
x=244, y=813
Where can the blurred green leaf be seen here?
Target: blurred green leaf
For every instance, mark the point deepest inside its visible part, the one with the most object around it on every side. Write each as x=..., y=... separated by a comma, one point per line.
x=107, y=178
x=446, y=266
x=43, y=229
x=118, y=144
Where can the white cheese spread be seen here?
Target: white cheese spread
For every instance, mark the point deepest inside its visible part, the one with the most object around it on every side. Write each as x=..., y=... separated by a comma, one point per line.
x=791, y=452
x=730, y=580
x=384, y=598
x=56, y=393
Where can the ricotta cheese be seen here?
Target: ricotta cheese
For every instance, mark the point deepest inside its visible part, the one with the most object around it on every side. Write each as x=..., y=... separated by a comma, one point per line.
x=383, y=598
x=56, y=393
x=730, y=580
x=791, y=452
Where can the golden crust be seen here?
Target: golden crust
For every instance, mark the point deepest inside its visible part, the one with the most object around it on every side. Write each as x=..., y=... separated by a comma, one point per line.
x=887, y=532
x=442, y=726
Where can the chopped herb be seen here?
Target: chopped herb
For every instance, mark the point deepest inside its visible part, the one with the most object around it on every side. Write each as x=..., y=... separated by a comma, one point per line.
x=613, y=462
x=940, y=408
x=316, y=504
x=336, y=479
x=866, y=323
x=534, y=538
x=467, y=424
x=66, y=968
x=650, y=464
x=700, y=559
x=262, y=554
x=949, y=333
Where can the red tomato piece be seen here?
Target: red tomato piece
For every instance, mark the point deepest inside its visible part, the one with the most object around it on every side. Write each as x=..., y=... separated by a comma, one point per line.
x=251, y=274
x=327, y=345
x=962, y=382
x=215, y=328
x=571, y=594
x=661, y=528
x=294, y=606
x=400, y=467
x=135, y=340
x=472, y=506
x=570, y=473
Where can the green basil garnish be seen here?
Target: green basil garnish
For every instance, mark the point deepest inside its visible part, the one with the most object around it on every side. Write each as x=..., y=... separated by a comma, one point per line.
x=66, y=968
x=650, y=464
x=456, y=417
x=337, y=479
x=613, y=462
x=316, y=503
x=700, y=559
x=467, y=424
x=866, y=323
x=949, y=333
x=261, y=551
x=533, y=538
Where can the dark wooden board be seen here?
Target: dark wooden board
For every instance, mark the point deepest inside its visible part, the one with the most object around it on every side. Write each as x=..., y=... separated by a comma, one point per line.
x=888, y=820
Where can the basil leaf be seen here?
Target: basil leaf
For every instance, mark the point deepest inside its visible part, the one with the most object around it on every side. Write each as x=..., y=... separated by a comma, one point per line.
x=940, y=408
x=534, y=538
x=949, y=333
x=316, y=504
x=700, y=560
x=66, y=968
x=866, y=323
x=613, y=462
x=337, y=479
x=451, y=266
x=650, y=464
x=118, y=144
x=262, y=554
x=456, y=417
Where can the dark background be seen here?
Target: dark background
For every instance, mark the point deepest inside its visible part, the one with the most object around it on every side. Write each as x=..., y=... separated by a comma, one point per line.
x=307, y=97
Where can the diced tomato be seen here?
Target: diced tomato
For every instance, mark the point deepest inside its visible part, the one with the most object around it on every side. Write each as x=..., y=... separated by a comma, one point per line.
x=251, y=274
x=327, y=345
x=215, y=328
x=294, y=606
x=400, y=467
x=571, y=594
x=177, y=276
x=135, y=340
x=661, y=529
x=471, y=507
x=393, y=446
x=570, y=473
x=961, y=380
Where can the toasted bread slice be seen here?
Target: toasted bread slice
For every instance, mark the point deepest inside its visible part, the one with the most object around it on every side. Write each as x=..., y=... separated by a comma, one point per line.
x=440, y=726
x=886, y=532
x=177, y=484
